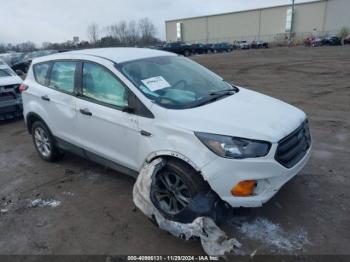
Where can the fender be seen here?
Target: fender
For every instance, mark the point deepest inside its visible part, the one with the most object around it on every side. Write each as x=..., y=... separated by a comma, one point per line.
x=29, y=123
x=34, y=109
x=173, y=154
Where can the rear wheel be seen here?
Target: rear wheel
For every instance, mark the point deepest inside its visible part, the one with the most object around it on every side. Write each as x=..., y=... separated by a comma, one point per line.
x=174, y=186
x=44, y=142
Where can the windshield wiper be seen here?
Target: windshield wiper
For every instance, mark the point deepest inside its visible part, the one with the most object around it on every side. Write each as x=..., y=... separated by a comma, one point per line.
x=223, y=92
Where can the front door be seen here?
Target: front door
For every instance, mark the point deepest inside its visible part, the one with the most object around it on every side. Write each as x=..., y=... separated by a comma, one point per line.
x=104, y=128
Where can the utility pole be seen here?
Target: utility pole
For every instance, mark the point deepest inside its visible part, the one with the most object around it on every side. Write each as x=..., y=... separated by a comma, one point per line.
x=291, y=35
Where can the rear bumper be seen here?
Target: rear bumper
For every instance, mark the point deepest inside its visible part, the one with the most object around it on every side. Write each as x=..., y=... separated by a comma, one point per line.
x=11, y=108
x=223, y=174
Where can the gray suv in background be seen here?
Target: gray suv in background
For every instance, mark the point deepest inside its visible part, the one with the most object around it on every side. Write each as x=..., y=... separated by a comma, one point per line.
x=10, y=96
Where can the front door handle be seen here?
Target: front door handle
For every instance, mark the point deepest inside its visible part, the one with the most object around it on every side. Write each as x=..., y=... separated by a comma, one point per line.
x=85, y=111
x=145, y=133
x=45, y=98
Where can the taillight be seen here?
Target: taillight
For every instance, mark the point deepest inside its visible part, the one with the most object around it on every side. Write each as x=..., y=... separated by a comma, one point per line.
x=23, y=88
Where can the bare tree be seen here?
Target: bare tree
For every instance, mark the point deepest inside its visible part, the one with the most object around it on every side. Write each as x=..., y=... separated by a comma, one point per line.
x=133, y=33
x=147, y=31
x=93, y=33
x=119, y=31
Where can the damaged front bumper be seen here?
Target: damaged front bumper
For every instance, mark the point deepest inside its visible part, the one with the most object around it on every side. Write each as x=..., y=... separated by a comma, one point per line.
x=10, y=104
x=223, y=174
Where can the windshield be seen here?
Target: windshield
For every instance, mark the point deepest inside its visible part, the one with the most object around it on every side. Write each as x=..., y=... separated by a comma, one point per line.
x=5, y=72
x=175, y=81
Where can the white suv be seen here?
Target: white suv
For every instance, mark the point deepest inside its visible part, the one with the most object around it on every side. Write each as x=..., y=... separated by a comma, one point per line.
x=124, y=107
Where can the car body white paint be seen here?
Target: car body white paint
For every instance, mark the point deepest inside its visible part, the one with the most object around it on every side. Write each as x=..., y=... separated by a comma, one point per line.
x=9, y=80
x=115, y=135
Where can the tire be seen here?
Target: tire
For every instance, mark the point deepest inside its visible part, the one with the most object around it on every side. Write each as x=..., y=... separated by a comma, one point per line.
x=44, y=142
x=187, y=53
x=185, y=183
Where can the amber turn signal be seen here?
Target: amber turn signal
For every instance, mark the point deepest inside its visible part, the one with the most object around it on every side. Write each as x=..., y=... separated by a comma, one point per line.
x=244, y=188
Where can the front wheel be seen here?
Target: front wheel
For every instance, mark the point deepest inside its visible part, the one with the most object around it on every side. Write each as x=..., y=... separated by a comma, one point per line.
x=174, y=186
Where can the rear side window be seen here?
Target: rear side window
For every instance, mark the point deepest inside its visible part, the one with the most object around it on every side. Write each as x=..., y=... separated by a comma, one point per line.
x=40, y=72
x=63, y=76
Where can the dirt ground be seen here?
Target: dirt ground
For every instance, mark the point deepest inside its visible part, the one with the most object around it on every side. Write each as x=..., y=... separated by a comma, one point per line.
x=87, y=209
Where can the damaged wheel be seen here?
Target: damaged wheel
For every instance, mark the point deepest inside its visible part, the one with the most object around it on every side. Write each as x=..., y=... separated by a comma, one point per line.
x=174, y=186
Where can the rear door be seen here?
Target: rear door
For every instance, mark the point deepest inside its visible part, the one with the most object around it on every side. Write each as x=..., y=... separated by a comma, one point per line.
x=57, y=96
x=105, y=130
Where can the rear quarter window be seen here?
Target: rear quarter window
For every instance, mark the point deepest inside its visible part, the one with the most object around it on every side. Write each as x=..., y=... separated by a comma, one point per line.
x=41, y=72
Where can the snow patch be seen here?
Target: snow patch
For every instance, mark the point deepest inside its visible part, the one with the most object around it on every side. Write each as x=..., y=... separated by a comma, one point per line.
x=272, y=234
x=43, y=203
x=67, y=193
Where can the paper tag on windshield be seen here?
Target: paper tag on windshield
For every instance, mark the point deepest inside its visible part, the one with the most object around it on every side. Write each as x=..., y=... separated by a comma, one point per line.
x=156, y=83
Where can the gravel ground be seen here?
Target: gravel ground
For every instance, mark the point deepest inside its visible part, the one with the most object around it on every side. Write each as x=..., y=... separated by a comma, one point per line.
x=77, y=207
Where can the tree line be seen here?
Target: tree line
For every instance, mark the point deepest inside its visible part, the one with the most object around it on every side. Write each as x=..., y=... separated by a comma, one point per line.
x=134, y=33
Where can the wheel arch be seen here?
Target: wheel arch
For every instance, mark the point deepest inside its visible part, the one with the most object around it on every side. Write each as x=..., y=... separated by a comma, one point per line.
x=31, y=118
x=175, y=156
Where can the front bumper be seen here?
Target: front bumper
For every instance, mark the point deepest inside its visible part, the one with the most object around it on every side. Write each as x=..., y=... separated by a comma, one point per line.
x=222, y=174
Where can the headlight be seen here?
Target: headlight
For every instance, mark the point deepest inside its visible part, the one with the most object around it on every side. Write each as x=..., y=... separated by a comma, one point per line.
x=234, y=147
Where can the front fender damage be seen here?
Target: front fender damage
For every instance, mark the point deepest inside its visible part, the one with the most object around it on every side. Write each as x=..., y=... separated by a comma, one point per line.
x=196, y=222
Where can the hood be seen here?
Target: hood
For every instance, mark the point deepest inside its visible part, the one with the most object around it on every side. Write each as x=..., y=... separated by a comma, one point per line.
x=246, y=114
x=10, y=80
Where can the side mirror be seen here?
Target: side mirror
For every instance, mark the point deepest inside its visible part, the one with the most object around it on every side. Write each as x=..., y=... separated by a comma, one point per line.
x=128, y=109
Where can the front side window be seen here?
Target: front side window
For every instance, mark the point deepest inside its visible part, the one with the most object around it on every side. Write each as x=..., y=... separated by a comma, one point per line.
x=174, y=81
x=101, y=85
x=40, y=72
x=63, y=75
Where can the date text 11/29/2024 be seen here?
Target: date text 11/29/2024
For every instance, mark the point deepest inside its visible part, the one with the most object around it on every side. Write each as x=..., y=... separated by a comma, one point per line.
x=173, y=258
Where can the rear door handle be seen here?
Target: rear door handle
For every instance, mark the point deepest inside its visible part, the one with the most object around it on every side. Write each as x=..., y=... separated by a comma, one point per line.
x=45, y=98
x=85, y=111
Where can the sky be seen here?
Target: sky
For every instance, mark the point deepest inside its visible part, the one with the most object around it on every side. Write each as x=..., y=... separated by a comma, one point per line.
x=59, y=20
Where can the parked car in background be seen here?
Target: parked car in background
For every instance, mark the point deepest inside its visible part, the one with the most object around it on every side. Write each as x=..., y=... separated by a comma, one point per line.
x=259, y=44
x=199, y=48
x=10, y=96
x=210, y=48
x=12, y=58
x=331, y=41
x=179, y=48
x=222, y=47
x=22, y=66
x=313, y=41
x=347, y=40
x=243, y=45
x=124, y=107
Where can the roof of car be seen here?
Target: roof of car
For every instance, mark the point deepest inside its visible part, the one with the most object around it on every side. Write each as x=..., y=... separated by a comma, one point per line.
x=115, y=54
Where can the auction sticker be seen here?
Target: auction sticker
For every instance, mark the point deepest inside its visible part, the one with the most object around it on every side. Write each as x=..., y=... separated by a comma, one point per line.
x=156, y=83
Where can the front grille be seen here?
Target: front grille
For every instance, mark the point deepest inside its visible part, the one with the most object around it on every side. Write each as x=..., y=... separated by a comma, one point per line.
x=293, y=147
